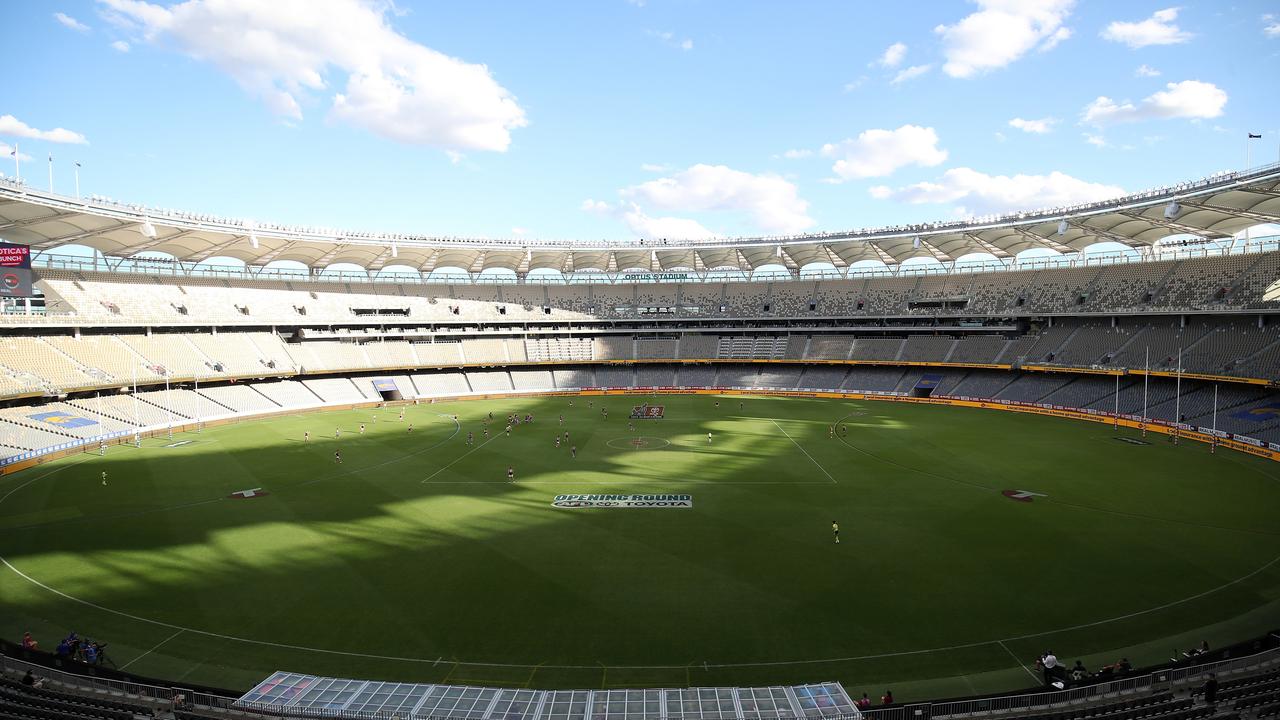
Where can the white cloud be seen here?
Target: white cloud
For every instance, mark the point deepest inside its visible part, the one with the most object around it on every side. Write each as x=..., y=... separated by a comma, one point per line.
x=1146, y=71
x=855, y=83
x=596, y=207
x=454, y=156
x=654, y=167
x=669, y=38
x=797, y=154
x=772, y=203
x=12, y=126
x=673, y=228
x=877, y=153
x=1001, y=32
x=120, y=45
x=1159, y=29
x=69, y=22
x=1095, y=140
x=6, y=149
x=1187, y=99
x=910, y=73
x=983, y=194
x=1271, y=25
x=1037, y=127
x=893, y=55
x=285, y=51
x=519, y=231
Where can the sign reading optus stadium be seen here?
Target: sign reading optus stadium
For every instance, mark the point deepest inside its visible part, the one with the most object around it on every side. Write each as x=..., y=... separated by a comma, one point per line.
x=623, y=501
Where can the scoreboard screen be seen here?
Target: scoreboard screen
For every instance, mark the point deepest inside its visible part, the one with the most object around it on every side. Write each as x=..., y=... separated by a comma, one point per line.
x=15, y=270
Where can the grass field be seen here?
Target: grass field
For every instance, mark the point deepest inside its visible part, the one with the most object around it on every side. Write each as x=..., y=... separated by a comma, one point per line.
x=415, y=559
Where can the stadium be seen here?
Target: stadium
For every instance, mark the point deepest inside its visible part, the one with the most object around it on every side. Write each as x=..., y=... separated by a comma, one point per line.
x=971, y=467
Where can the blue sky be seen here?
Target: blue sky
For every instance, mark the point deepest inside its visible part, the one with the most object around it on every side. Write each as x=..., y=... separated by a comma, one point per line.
x=628, y=118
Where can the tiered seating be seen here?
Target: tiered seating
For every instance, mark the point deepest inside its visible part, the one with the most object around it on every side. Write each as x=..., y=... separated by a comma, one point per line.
x=438, y=354
x=927, y=348
x=615, y=376
x=696, y=376
x=830, y=347
x=24, y=702
x=573, y=378
x=557, y=348
x=489, y=380
x=29, y=359
x=532, y=380
x=288, y=393
x=698, y=347
x=171, y=354
x=872, y=379
x=822, y=377
x=234, y=352
x=328, y=355
x=484, y=352
x=391, y=354
x=876, y=348
x=335, y=390
x=240, y=398
x=126, y=409
x=655, y=348
x=19, y=430
x=614, y=348
x=982, y=349
x=655, y=376
x=184, y=404
x=442, y=383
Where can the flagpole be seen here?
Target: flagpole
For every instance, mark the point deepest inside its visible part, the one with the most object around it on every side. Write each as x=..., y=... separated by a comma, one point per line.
x=1146, y=379
x=77, y=181
x=1214, y=447
x=1116, y=414
x=50, y=172
x=17, y=163
x=1177, y=400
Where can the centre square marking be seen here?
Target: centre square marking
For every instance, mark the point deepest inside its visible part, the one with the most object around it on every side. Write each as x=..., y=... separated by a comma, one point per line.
x=638, y=443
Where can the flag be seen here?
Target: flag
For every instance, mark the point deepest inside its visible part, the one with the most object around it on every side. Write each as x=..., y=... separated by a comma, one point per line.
x=1254, y=137
x=77, y=164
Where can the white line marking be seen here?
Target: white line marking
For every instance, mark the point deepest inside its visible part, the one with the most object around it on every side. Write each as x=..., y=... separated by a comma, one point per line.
x=347, y=653
x=153, y=649
x=1015, y=659
x=806, y=452
x=460, y=457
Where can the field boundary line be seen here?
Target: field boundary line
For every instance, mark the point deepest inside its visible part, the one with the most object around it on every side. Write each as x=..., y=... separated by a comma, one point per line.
x=806, y=452
x=1015, y=659
x=153, y=649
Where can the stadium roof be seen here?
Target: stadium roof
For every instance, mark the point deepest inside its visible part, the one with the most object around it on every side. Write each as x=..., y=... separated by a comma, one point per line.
x=1215, y=207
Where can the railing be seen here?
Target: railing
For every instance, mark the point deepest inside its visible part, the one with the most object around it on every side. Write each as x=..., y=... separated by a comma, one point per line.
x=1171, y=678
x=178, y=269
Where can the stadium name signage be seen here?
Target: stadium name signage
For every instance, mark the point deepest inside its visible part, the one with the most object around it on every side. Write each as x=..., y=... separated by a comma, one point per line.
x=655, y=277
x=622, y=501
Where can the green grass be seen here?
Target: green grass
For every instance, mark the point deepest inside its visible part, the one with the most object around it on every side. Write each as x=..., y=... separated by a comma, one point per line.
x=939, y=584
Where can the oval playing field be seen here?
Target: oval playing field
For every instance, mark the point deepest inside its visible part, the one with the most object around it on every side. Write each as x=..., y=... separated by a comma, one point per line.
x=970, y=541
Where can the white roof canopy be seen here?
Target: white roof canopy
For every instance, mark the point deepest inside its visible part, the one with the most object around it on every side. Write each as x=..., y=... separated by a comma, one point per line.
x=1215, y=207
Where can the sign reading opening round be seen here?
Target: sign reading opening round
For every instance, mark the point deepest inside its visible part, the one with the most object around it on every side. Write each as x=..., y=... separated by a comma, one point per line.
x=623, y=501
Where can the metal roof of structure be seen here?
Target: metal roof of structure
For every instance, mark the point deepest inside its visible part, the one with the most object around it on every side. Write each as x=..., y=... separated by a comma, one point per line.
x=1214, y=208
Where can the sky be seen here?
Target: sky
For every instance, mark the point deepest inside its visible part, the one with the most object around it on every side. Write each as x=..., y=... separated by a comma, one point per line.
x=627, y=119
